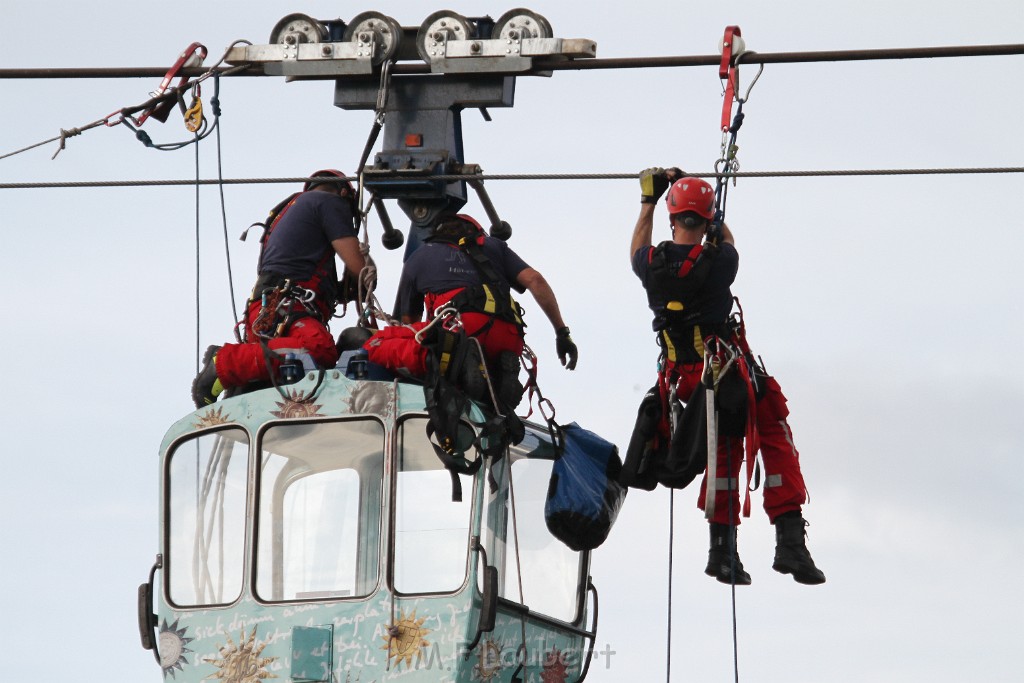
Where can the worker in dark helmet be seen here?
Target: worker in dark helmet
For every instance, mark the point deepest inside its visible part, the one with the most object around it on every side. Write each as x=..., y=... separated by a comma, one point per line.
x=688, y=281
x=459, y=267
x=296, y=290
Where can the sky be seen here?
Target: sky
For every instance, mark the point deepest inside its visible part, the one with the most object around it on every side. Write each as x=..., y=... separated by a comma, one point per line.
x=888, y=307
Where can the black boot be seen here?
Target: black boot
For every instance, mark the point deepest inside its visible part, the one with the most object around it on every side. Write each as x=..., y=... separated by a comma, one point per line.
x=723, y=560
x=509, y=389
x=791, y=554
x=205, y=387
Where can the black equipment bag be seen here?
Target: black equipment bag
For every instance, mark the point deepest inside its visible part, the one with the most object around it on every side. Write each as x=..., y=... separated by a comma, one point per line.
x=584, y=495
x=688, y=451
x=647, y=445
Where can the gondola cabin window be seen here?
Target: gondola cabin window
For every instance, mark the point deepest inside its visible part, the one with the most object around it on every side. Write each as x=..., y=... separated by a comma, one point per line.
x=431, y=530
x=318, y=510
x=206, y=495
x=551, y=572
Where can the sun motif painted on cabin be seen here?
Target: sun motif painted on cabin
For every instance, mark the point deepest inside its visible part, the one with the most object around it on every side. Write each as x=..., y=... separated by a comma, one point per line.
x=172, y=642
x=405, y=638
x=295, y=405
x=211, y=418
x=241, y=663
x=555, y=670
x=371, y=397
x=489, y=663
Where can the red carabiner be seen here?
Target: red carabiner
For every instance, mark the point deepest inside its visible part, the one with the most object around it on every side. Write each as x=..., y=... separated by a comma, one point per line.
x=727, y=72
x=193, y=55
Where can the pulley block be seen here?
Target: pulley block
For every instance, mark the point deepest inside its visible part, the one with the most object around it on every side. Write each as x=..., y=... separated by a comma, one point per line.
x=296, y=29
x=520, y=24
x=437, y=29
x=373, y=27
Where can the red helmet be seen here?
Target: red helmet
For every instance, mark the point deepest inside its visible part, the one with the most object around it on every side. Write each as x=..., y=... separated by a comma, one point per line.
x=469, y=219
x=691, y=194
x=323, y=176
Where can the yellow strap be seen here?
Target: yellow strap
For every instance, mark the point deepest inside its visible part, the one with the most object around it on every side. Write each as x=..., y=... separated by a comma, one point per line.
x=698, y=340
x=515, y=311
x=670, y=350
x=490, y=306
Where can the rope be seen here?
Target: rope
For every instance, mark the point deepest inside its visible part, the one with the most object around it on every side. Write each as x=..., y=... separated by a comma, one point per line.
x=64, y=134
x=197, y=260
x=531, y=176
x=215, y=103
x=732, y=558
x=671, y=545
x=175, y=92
x=519, y=567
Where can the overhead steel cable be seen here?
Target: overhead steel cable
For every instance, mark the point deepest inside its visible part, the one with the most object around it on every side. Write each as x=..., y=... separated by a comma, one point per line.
x=548, y=64
x=524, y=176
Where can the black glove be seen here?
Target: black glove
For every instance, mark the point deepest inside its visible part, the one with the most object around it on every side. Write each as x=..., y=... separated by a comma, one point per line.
x=653, y=183
x=565, y=346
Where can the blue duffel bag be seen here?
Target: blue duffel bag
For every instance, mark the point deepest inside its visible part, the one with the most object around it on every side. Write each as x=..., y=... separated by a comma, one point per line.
x=584, y=495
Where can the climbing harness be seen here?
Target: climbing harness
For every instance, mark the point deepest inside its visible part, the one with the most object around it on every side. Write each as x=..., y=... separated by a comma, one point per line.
x=493, y=296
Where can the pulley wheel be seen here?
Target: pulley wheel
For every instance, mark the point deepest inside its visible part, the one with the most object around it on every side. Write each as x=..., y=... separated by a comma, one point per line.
x=386, y=32
x=298, y=28
x=438, y=28
x=523, y=23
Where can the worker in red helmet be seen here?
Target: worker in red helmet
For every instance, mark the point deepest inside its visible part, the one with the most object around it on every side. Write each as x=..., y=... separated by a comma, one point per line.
x=296, y=290
x=459, y=267
x=688, y=282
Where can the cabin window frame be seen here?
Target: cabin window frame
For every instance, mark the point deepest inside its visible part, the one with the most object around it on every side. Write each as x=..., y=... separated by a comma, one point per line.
x=169, y=515
x=470, y=486
x=505, y=552
x=369, y=566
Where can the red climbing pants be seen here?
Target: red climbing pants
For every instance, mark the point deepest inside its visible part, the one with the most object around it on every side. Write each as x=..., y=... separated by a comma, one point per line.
x=396, y=348
x=239, y=364
x=783, y=486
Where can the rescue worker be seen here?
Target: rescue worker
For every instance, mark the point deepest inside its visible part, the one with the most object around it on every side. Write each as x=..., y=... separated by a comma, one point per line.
x=476, y=279
x=296, y=266
x=688, y=312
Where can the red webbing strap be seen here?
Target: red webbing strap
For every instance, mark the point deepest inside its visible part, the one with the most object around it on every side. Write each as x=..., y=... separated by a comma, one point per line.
x=193, y=55
x=664, y=387
x=691, y=260
x=752, y=439
x=728, y=73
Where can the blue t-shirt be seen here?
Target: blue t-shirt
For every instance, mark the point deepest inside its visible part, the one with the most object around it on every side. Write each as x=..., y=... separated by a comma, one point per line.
x=439, y=267
x=713, y=299
x=303, y=236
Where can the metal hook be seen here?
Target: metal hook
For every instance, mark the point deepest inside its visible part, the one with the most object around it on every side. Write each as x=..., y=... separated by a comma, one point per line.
x=384, y=90
x=750, y=87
